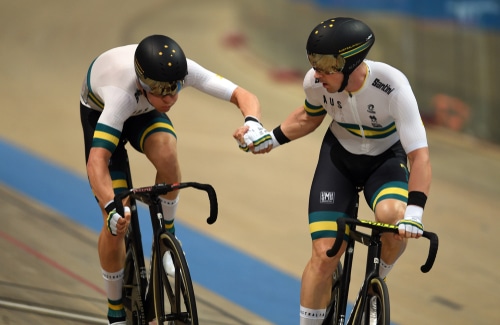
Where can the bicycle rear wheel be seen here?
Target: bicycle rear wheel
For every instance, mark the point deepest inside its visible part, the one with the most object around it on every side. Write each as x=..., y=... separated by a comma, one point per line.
x=174, y=298
x=332, y=310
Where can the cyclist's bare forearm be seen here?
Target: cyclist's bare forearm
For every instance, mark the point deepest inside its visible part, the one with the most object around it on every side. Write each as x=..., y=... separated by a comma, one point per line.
x=247, y=102
x=299, y=123
x=420, y=171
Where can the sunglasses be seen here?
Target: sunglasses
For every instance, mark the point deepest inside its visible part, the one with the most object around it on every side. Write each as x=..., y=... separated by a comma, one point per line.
x=326, y=63
x=161, y=88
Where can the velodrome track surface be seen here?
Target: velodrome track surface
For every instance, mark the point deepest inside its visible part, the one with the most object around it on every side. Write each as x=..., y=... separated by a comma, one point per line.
x=261, y=240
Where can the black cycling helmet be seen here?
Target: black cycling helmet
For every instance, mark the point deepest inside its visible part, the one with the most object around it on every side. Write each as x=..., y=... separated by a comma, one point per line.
x=339, y=44
x=160, y=65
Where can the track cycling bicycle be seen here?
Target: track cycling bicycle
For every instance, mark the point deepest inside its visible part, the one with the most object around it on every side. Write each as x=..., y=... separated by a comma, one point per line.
x=152, y=294
x=372, y=306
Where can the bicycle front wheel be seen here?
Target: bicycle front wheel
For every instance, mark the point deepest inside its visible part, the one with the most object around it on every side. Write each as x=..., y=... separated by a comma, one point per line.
x=377, y=307
x=174, y=298
x=133, y=288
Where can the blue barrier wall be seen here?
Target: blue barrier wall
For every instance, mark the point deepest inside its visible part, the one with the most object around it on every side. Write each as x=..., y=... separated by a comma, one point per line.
x=478, y=13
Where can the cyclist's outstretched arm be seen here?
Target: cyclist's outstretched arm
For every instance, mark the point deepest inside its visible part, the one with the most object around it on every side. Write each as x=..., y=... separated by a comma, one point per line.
x=299, y=123
x=411, y=226
x=296, y=125
x=247, y=102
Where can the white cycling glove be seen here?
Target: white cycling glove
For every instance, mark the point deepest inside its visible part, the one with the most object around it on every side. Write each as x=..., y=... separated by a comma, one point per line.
x=113, y=216
x=411, y=224
x=256, y=135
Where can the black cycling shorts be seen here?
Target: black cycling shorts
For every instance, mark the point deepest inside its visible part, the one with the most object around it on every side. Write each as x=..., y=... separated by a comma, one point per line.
x=340, y=174
x=135, y=131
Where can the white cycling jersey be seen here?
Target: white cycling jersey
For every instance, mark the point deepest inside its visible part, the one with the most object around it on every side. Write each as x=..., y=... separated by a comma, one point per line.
x=370, y=120
x=111, y=82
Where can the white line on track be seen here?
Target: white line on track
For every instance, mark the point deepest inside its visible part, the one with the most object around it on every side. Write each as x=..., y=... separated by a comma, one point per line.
x=52, y=312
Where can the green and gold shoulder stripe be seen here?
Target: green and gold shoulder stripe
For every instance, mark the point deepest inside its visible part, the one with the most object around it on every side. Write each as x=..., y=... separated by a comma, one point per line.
x=314, y=110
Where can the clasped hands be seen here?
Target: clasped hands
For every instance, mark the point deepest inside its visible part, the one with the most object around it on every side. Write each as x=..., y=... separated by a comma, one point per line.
x=253, y=137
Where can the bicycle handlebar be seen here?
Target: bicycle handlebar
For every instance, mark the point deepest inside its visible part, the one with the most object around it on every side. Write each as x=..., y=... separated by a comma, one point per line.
x=381, y=227
x=147, y=194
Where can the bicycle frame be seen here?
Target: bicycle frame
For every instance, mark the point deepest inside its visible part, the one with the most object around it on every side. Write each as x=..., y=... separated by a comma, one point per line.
x=150, y=196
x=374, y=244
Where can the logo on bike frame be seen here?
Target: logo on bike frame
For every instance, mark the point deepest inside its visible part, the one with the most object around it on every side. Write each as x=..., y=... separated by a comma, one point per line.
x=379, y=224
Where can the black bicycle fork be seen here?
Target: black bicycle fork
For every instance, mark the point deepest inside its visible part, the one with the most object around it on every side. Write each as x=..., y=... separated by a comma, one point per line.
x=372, y=266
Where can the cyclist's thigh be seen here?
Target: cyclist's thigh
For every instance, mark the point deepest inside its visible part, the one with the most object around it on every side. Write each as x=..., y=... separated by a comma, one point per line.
x=139, y=128
x=331, y=196
x=386, y=190
x=161, y=149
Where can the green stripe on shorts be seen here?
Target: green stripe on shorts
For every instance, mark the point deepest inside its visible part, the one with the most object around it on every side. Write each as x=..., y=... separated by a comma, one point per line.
x=322, y=224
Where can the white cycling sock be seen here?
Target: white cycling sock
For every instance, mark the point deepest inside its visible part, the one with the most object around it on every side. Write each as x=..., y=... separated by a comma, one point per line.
x=384, y=269
x=169, y=209
x=113, y=284
x=310, y=316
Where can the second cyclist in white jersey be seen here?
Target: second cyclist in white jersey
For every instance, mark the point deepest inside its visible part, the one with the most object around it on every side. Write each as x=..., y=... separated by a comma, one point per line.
x=375, y=129
x=125, y=97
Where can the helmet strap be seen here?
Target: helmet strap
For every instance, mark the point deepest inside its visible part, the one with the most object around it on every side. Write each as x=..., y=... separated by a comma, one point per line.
x=344, y=83
x=144, y=91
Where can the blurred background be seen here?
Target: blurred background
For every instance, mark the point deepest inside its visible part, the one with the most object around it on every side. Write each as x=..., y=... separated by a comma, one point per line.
x=447, y=49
